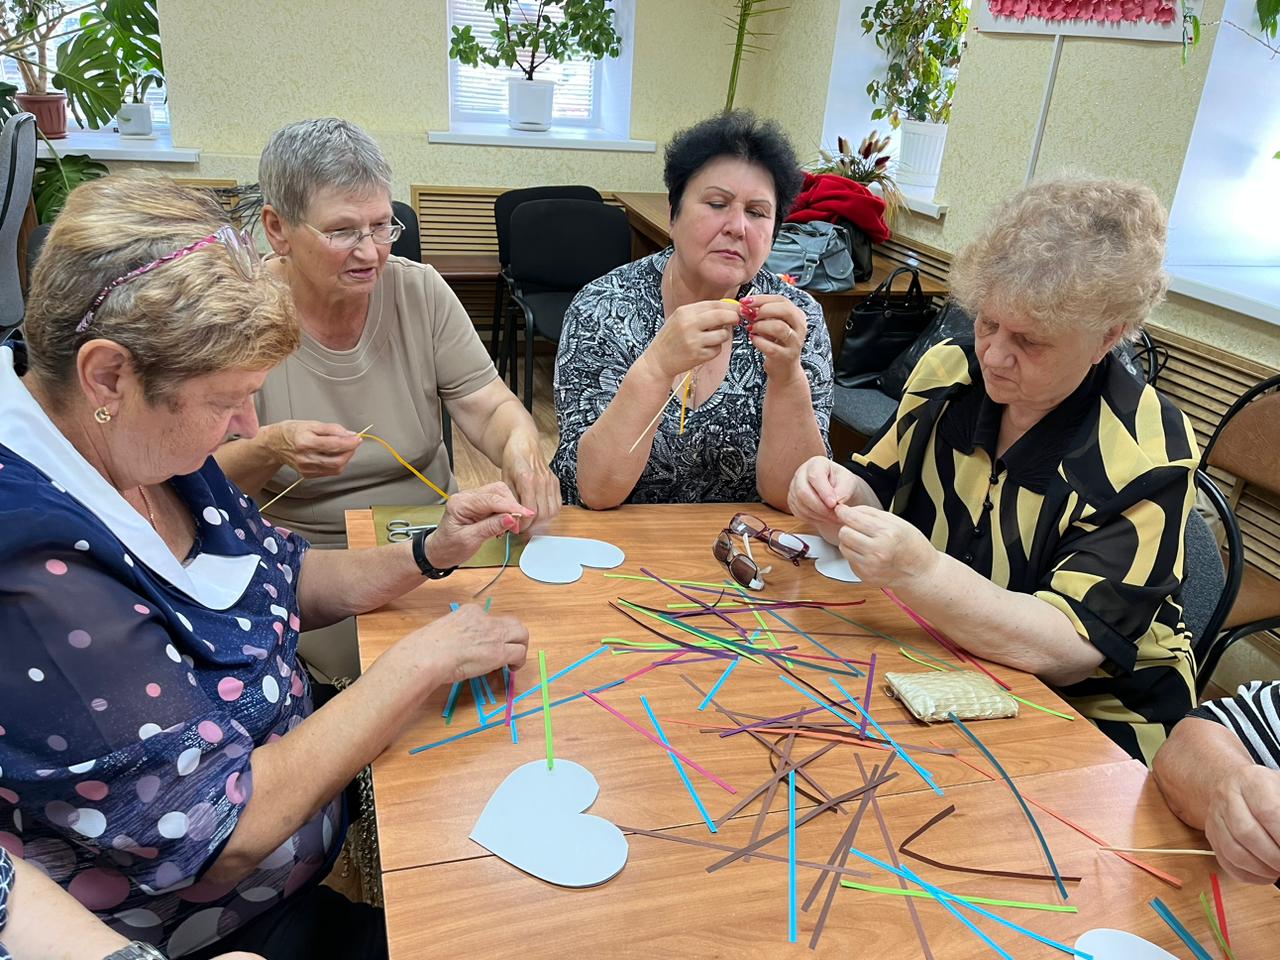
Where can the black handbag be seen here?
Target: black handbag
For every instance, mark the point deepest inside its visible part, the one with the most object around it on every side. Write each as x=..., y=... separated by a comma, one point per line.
x=881, y=327
x=951, y=323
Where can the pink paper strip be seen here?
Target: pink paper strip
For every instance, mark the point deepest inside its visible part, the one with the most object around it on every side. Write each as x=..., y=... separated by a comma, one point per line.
x=670, y=749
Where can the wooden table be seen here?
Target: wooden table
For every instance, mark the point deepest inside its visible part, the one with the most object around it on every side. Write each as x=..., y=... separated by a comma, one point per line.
x=444, y=892
x=650, y=217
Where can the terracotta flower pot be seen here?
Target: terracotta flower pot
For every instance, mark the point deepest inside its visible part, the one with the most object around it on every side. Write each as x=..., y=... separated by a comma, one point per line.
x=50, y=110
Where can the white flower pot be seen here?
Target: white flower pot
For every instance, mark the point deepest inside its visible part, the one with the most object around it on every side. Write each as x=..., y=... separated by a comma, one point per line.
x=920, y=157
x=134, y=120
x=529, y=103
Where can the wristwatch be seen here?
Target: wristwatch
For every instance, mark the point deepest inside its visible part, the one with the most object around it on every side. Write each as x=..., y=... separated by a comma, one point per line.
x=420, y=556
x=136, y=951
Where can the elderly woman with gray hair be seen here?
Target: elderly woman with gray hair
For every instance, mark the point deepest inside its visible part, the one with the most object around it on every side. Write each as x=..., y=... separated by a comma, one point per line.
x=384, y=341
x=1031, y=495
x=162, y=756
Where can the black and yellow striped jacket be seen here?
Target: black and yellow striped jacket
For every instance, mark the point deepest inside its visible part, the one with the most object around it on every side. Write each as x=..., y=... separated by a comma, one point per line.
x=1086, y=511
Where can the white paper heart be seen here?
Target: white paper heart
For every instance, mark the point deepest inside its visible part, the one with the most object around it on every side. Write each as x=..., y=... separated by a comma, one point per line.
x=561, y=559
x=535, y=822
x=1107, y=944
x=831, y=564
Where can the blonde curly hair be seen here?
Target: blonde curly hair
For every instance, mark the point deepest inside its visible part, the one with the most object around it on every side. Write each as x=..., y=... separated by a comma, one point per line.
x=1069, y=254
x=192, y=316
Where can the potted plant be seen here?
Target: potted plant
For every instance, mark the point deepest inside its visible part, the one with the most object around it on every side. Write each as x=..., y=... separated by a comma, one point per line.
x=923, y=41
x=26, y=29
x=525, y=36
x=868, y=165
x=110, y=64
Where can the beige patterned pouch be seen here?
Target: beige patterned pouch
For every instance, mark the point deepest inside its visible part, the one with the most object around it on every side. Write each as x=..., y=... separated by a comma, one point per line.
x=931, y=696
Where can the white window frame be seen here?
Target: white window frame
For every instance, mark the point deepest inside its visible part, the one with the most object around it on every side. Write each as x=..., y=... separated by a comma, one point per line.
x=611, y=95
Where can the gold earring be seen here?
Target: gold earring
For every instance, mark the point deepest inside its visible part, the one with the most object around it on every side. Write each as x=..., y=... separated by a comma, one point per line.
x=102, y=415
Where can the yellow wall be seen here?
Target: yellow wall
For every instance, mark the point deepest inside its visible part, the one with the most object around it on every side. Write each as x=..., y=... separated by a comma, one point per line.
x=238, y=70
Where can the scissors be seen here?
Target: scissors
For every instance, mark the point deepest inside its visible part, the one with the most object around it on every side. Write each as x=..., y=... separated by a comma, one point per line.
x=400, y=530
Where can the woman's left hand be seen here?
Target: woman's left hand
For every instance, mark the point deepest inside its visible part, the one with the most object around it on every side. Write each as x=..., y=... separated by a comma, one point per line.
x=470, y=518
x=535, y=486
x=882, y=548
x=778, y=332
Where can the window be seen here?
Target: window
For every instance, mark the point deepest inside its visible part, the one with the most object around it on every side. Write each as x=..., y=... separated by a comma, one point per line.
x=1223, y=244
x=583, y=87
x=156, y=96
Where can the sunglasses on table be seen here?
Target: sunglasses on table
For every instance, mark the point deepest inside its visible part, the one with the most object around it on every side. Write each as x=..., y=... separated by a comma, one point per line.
x=740, y=563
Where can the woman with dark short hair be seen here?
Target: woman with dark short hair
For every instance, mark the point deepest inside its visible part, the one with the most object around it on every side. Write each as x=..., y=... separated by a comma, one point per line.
x=703, y=321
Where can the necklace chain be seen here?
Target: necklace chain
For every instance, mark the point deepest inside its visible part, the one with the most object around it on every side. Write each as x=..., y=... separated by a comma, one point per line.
x=151, y=517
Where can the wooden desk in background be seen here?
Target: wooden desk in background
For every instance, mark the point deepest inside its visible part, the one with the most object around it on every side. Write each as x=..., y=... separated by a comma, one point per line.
x=445, y=894
x=650, y=217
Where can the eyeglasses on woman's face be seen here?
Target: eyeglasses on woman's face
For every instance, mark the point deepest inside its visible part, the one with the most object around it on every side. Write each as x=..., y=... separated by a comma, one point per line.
x=384, y=234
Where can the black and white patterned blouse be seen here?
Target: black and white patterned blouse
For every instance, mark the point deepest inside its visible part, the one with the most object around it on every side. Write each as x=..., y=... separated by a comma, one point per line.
x=610, y=323
x=1253, y=715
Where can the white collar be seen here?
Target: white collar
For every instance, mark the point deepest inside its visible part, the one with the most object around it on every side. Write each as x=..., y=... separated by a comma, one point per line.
x=213, y=581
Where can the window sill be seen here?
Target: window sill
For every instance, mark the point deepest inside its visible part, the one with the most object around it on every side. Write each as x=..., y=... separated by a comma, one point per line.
x=557, y=138
x=920, y=200
x=106, y=145
x=1251, y=290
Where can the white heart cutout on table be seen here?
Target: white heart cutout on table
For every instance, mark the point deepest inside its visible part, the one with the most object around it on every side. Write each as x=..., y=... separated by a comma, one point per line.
x=1107, y=944
x=536, y=821
x=831, y=564
x=561, y=559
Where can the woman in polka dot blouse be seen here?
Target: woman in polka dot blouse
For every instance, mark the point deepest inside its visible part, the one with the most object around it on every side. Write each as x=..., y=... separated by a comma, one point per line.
x=160, y=756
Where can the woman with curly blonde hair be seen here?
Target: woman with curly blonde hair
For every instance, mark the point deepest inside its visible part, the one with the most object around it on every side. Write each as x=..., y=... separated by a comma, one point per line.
x=1031, y=495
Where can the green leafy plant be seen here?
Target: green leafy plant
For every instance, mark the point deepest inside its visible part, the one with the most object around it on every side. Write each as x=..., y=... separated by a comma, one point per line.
x=923, y=40
x=57, y=176
x=114, y=58
x=27, y=29
x=526, y=36
x=746, y=38
x=868, y=165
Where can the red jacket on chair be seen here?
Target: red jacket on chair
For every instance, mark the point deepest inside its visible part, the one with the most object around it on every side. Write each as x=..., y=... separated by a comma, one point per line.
x=826, y=196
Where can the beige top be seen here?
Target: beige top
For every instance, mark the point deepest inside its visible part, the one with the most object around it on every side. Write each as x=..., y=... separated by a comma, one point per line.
x=418, y=347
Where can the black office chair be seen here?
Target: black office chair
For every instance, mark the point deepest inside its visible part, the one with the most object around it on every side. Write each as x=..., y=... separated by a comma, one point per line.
x=409, y=246
x=557, y=248
x=409, y=243
x=17, y=169
x=504, y=309
x=1211, y=580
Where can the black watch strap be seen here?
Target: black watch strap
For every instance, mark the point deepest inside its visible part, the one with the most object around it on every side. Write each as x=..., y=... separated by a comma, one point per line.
x=420, y=557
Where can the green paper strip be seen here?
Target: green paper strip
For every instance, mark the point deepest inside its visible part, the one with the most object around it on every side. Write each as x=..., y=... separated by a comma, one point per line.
x=1217, y=930
x=923, y=663
x=683, y=583
x=1064, y=716
x=925, y=895
x=546, y=707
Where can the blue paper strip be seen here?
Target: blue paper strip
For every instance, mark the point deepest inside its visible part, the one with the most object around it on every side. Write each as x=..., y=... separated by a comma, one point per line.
x=679, y=768
x=723, y=677
x=924, y=774
x=1176, y=926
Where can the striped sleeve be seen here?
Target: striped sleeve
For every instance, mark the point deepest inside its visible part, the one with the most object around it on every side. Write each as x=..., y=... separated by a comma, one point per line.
x=1253, y=715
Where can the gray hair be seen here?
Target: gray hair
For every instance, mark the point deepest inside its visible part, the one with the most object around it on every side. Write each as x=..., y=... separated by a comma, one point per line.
x=1069, y=254
x=313, y=154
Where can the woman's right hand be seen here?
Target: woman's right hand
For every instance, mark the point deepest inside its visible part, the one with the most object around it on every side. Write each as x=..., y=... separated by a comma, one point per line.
x=692, y=335
x=470, y=643
x=470, y=518
x=817, y=488
x=312, y=448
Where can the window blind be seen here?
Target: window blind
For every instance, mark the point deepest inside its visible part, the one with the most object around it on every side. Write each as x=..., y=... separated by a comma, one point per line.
x=480, y=93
